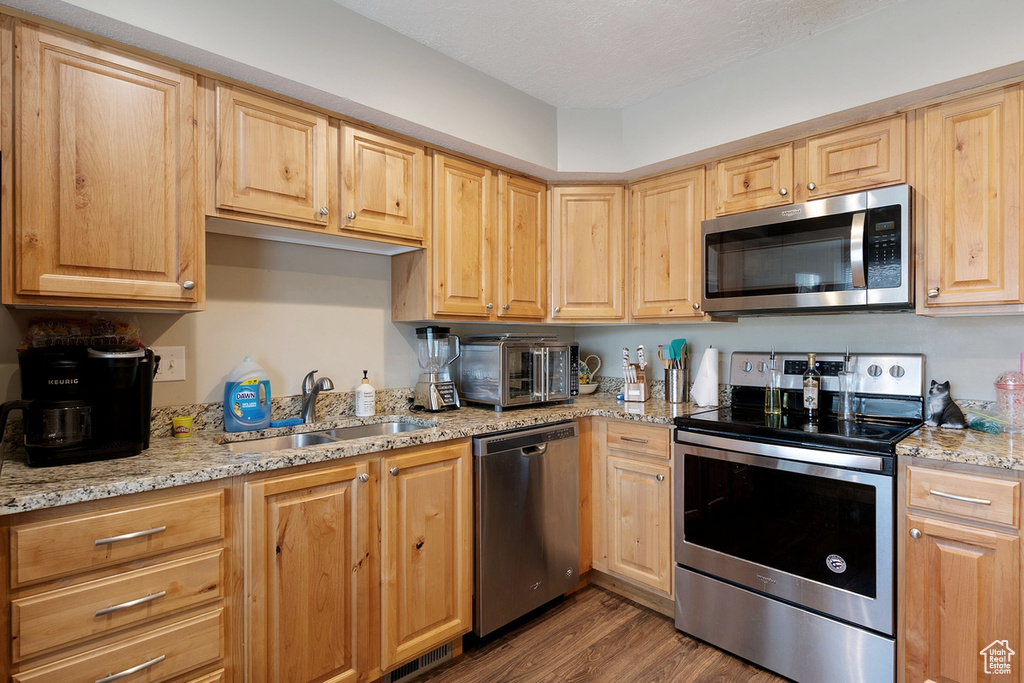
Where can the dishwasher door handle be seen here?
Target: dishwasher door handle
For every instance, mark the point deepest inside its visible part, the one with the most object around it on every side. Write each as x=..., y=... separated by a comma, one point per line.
x=539, y=449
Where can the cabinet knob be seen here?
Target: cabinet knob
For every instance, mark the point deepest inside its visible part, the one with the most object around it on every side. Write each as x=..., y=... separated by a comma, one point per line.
x=557, y=309
x=915, y=533
x=505, y=307
x=811, y=187
x=324, y=211
x=660, y=477
x=351, y=215
x=783, y=191
x=489, y=306
x=393, y=471
x=188, y=284
x=364, y=477
x=696, y=306
x=933, y=293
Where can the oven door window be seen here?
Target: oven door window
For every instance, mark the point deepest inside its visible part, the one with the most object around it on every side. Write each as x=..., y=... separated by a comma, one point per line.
x=811, y=255
x=523, y=376
x=817, y=528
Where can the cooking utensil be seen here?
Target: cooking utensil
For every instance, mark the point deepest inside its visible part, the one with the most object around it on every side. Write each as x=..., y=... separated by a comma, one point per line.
x=676, y=347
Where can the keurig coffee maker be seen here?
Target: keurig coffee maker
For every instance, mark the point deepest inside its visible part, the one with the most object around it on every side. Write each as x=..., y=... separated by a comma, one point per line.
x=84, y=403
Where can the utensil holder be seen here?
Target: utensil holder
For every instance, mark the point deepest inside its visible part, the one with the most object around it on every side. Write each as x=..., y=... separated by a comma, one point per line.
x=640, y=390
x=677, y=389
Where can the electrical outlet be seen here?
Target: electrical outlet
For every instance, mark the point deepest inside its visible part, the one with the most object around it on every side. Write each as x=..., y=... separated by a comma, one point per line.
x=172, y=363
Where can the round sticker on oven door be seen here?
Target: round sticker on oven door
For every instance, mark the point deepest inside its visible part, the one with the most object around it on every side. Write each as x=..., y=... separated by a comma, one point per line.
x=836, y=563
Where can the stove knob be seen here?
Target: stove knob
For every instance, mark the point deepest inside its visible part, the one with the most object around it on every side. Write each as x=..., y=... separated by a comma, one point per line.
x=875, y=370
x=897, y=371
x=747, y=366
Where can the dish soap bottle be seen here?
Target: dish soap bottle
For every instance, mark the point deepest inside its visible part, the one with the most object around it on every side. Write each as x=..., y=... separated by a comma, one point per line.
x=246, y=398
x=812, y=387
x=366, y=398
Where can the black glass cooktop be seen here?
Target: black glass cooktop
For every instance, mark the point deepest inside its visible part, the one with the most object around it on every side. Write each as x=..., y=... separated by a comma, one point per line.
x=751, y=424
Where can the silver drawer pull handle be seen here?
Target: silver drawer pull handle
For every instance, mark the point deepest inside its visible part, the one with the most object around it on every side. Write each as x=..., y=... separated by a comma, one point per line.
x=626, y=438
x=131, y=603
x=966, y=499
x=128, y=537
x=135, y=669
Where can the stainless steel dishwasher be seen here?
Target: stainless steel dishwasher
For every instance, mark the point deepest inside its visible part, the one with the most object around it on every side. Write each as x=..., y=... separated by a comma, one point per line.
x=527, y=521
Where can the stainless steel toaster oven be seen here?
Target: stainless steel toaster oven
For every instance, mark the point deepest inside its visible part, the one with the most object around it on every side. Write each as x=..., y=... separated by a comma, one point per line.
x=511, y=370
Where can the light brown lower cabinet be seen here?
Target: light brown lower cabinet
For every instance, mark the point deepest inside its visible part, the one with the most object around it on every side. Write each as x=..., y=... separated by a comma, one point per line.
x=961, y=576
x=426, y=530
x=307, y=575
x=632, y=509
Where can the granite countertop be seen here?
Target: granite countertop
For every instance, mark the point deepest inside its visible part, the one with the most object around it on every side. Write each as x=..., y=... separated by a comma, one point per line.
x=174, y=462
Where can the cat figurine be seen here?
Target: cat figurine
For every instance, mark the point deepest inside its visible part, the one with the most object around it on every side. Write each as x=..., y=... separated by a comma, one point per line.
x=942, y=412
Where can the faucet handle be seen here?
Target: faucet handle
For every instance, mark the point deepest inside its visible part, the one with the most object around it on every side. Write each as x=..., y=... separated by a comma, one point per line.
x=307, y=382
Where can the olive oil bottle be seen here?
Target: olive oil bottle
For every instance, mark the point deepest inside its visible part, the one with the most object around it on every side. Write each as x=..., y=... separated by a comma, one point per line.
x=812, y=388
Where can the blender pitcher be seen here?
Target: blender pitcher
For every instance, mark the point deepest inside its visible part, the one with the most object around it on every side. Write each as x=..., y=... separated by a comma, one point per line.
x=435, y=389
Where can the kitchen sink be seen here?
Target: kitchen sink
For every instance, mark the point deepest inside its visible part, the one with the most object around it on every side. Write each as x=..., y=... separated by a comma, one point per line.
x=377, y=429
x=317, y=438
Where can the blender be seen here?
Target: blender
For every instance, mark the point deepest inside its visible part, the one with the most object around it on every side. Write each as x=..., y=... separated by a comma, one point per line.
x=435, y=389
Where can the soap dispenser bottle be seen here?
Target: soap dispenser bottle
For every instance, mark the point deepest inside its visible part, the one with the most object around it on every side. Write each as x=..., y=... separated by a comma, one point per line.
x=366, y=398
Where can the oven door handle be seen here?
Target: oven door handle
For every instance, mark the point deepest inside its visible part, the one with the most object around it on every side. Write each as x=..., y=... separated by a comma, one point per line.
x=857, y=250
x=873, y=463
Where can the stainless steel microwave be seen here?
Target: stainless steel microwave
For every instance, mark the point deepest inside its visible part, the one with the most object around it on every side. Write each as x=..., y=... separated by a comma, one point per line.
x=850, y=252
x=514, y=370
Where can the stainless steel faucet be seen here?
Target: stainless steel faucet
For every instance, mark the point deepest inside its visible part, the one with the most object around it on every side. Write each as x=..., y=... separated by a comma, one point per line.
x=310, y=390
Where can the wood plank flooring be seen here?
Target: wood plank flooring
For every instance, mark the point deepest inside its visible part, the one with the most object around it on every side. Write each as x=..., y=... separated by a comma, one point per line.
x=595, y=636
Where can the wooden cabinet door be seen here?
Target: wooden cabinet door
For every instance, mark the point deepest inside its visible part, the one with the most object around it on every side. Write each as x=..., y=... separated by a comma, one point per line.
x=664, y=239
x=522, y=277
x=855, y=158
x=271, y=157
x=463, y=238
x=639, y=501
x=963, y=594
x=384, y=191
x=426, y=531
x=308, y=564
x=970, y=200
x=107, y=206
x=588, y=253
x=756, y=180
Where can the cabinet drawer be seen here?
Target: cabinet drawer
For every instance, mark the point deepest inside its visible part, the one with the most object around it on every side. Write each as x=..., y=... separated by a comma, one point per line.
x=60, y=617
x=60, y=547
x=981, y=498
x=157, y=655
x=639, y=439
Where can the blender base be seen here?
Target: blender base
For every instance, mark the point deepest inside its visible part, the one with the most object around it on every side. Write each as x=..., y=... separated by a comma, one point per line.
x=435, y=396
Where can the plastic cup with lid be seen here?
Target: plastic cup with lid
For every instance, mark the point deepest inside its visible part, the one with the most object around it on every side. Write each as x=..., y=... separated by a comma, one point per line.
x=1010, y=400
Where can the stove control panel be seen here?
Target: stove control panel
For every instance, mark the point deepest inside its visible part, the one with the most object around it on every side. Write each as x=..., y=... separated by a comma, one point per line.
x=886, y=374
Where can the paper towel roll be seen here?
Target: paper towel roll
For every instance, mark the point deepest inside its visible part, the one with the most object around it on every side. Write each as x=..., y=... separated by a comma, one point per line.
x=705, y=386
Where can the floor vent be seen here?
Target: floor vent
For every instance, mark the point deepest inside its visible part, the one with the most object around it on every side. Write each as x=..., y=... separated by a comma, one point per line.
x=407, y=672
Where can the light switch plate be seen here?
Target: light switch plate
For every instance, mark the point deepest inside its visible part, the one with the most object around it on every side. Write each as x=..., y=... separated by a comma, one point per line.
x=172, y=363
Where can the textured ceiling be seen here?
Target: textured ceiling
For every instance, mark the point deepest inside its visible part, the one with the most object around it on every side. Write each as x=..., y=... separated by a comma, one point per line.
x=606, y=53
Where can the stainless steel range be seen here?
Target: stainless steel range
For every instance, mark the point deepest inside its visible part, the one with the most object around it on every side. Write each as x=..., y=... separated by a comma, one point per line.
x=784, y=550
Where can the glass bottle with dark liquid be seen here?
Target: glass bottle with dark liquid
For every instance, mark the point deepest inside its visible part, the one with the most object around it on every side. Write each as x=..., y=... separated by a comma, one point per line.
x=812, y=389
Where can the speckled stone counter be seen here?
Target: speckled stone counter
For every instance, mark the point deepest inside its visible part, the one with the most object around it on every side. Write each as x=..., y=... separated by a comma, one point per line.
x=966, y=446
x=174, y=462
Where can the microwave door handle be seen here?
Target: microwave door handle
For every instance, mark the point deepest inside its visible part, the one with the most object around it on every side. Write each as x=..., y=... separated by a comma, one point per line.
x=538, y=373
x=546, y=372
x=857, y=250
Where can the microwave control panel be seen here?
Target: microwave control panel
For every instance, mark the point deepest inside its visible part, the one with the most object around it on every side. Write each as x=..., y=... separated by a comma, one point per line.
x=884, y=247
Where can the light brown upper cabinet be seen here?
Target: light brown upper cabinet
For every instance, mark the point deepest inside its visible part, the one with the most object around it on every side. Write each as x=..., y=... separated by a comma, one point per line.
x=104, y=207
x=463, y=239
x=384, y=193
x=665, y=251
x=755, y=180
x=851, y=159
x=588, y=253
x=968, y=211
x=487, y=257
x=272, y=158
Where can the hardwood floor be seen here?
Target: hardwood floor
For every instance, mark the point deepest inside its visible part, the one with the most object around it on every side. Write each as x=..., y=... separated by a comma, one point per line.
x=598, y=637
